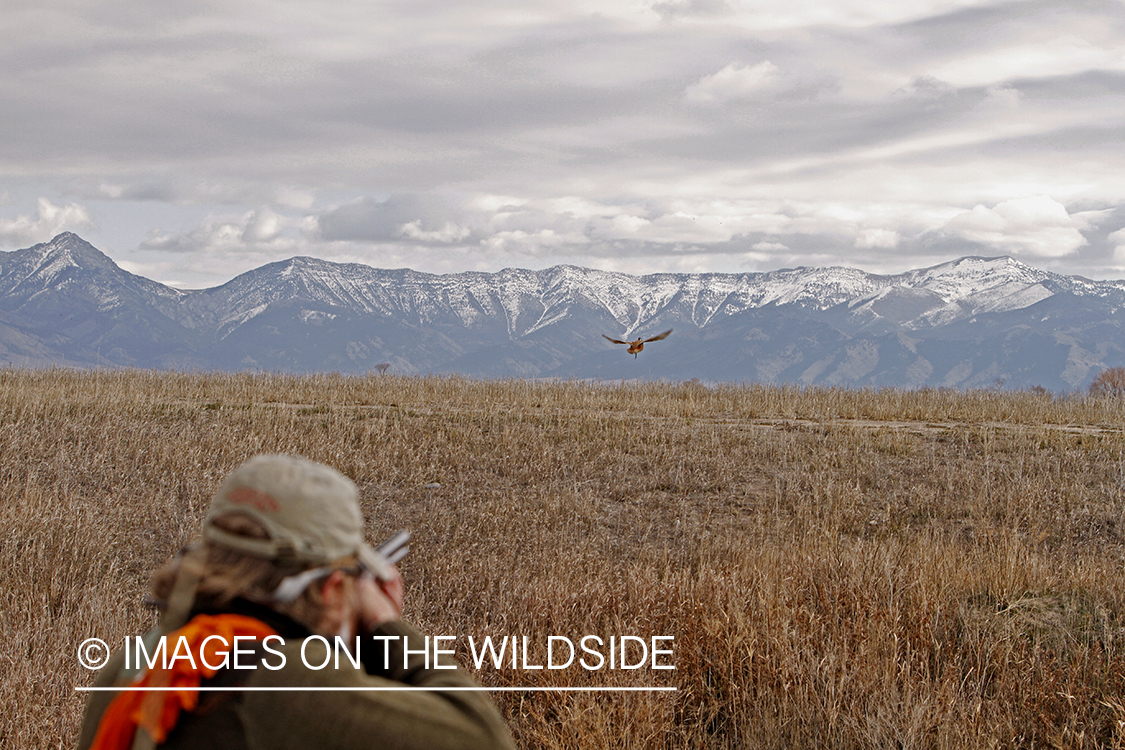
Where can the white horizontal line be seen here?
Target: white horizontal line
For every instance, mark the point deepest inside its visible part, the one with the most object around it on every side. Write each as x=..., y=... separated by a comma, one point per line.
x=378, y=689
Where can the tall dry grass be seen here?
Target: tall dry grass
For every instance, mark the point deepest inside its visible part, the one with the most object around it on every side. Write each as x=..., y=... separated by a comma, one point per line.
x=839, y=568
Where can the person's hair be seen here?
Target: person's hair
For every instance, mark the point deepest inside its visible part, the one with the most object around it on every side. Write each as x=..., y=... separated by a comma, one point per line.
x=227, y=575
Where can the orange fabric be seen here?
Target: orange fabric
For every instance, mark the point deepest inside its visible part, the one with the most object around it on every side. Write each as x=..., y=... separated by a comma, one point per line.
x=158, y=712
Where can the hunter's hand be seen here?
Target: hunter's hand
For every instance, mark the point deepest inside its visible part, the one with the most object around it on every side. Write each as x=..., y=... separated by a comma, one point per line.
x=379, y=601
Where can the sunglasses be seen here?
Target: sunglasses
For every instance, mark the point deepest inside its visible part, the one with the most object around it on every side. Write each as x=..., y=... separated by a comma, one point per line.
x=394, y=549
x=291, y=587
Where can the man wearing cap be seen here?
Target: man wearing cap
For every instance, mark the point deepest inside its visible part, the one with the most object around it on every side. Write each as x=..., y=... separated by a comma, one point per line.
x=281, y=575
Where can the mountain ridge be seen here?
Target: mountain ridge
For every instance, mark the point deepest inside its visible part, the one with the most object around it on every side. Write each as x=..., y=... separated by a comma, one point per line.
x=66, y=302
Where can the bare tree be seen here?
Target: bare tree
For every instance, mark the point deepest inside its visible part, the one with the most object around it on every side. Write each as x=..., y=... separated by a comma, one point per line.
x=1109, y=382
x=382, y=367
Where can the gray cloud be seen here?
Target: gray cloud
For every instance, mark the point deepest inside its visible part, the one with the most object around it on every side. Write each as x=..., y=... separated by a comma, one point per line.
x=726, y=132
x=422, y=218
x=1003, y=22
x=48, y=221
x=1100, y=247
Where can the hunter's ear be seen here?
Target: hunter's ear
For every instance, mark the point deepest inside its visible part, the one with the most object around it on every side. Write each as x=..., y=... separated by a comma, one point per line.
x=333, y=590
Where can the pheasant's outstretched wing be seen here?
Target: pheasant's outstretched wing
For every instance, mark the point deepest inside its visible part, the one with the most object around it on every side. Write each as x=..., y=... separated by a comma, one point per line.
x=615, y=340
x=658, y=336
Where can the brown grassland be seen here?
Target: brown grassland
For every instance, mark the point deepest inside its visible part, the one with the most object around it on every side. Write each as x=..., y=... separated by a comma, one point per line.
x=840, y=568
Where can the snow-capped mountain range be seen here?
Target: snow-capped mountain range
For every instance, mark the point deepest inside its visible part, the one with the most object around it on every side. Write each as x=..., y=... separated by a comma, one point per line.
x=974, y=322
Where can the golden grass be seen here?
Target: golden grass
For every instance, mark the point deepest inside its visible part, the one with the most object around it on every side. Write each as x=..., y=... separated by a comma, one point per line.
x=839, y=568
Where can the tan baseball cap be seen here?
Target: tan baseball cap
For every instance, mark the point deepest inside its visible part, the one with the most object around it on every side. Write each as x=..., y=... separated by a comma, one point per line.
x=310, y=511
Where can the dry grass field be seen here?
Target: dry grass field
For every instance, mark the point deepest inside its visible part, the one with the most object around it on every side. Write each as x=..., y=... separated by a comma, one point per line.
x=840, y=569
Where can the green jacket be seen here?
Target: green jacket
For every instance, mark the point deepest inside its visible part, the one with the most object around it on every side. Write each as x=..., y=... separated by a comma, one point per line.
x=322, y=719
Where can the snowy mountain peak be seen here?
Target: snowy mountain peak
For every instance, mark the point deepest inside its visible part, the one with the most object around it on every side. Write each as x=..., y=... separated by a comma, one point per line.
x=71, y=267
x=64, y=261
x=970, y=322
x=965, y=277
x=67, y=250
x=531, y=300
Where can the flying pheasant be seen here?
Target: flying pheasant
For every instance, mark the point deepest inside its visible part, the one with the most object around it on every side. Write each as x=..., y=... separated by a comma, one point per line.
x=636, y=347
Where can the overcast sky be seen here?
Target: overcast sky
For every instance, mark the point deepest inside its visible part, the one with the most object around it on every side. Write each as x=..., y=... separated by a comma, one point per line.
x=193, y=141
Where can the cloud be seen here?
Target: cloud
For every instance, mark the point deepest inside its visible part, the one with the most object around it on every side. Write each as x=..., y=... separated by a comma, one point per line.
x=424, y=218
x=48, y=221
x=1001, y=97
x=184, y=190
x=765, y=246
x=293, y=197
x=262, y=226
x=884, y=238
x=209, y=236
x=1118, y=240
x=608, y=132
x=1047, y=57
x=253, y=232
x=133, y=192
x=1038, y=226
x=495, y=231
x=533, y=243
x=927, y=88
x=223, y=246
x=449, y=232
x=732, y=83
